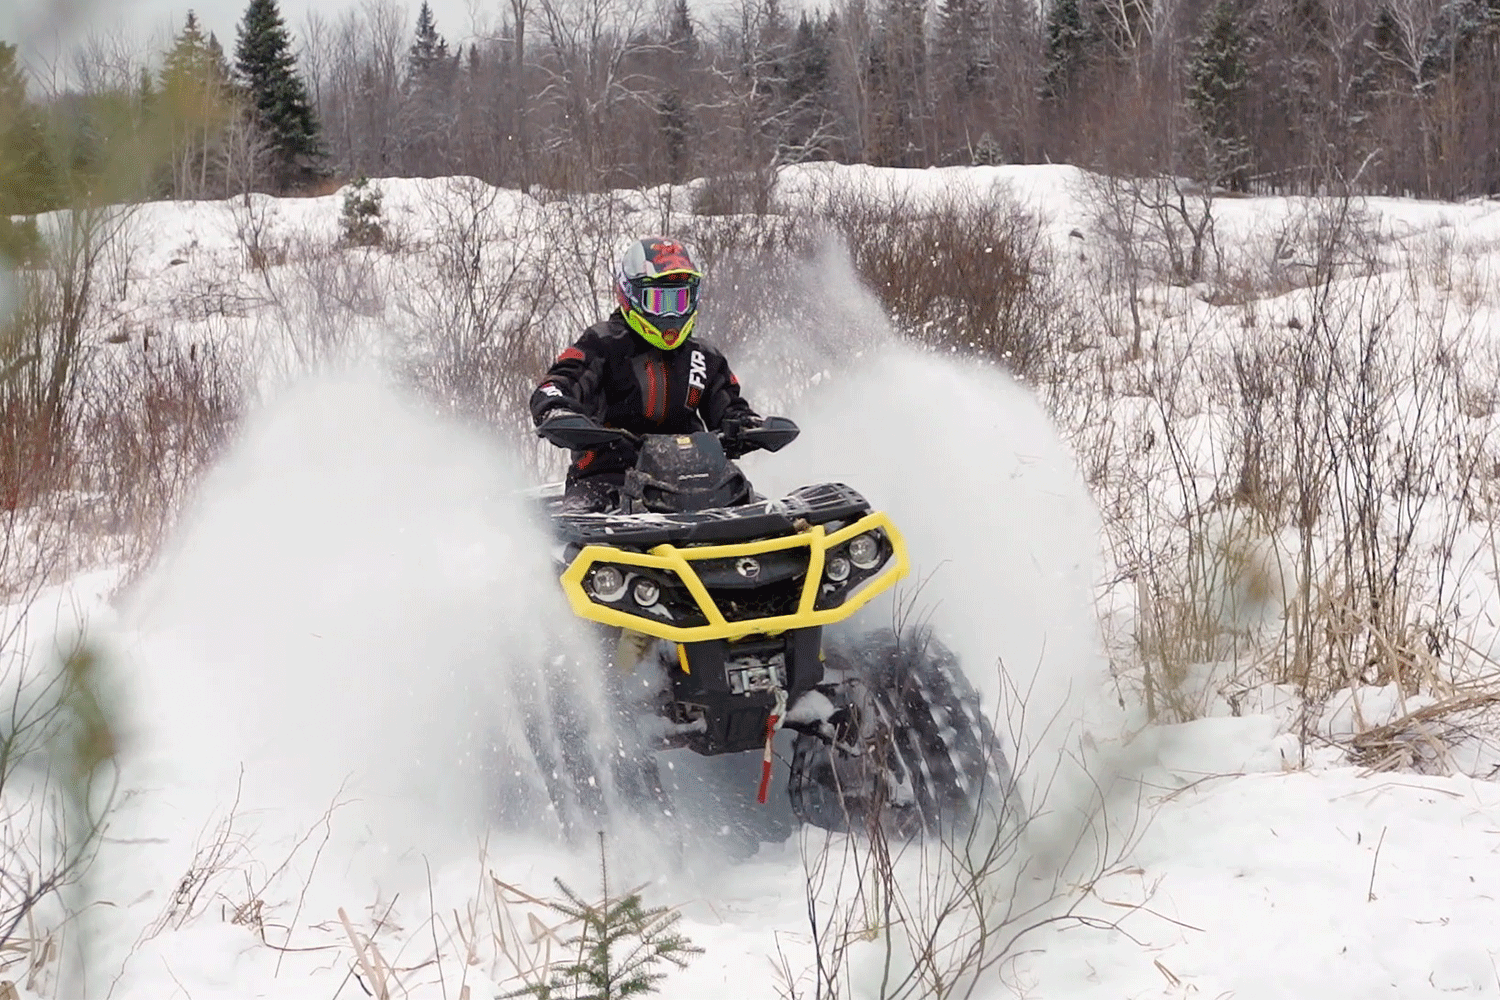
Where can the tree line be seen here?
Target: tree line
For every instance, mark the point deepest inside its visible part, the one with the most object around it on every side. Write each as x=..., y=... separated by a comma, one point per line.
x=1397, y=96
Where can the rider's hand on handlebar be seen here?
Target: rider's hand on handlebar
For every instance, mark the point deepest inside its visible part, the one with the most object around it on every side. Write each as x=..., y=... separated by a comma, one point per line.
x=561, y=416
x=731, y=432
x=732, y=427
x=570, y=429
x=560, y=420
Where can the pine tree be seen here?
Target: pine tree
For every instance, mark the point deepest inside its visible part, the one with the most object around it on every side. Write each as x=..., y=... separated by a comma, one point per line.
x=618, y=948
x=674, y=114
x=28, y=184
x=195, y=106
x=809, y=89
x=282, y=110
x=430, y=48
x=1067, y=49
x=1217, y=79
x=426, y=99
x=27, y=181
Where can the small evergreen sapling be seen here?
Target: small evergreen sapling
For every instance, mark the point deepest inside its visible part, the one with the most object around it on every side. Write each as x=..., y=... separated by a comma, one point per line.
x=619, y=946
x=360, y=218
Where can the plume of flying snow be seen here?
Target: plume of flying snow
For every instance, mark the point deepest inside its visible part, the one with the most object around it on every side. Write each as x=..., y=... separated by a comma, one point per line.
x=1001, y=529
x=359, y=589
x=335, y=649
x=1002, y=536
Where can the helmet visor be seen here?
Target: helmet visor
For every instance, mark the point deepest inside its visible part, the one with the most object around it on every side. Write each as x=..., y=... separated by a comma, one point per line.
x=677, y=299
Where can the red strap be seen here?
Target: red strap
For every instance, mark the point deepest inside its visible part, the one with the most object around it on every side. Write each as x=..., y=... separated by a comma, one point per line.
x=772, y=723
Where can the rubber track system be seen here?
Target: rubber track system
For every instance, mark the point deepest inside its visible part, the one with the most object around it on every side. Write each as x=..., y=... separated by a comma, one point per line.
x=928, y=760
x=589, y=774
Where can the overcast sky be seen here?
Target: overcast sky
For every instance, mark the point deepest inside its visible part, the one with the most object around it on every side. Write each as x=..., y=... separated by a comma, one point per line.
x=44, y=27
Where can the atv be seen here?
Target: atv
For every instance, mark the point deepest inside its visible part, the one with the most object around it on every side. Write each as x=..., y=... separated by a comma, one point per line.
x=718, y=600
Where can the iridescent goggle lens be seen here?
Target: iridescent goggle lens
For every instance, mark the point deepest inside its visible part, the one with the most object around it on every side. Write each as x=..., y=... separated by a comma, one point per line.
x=667, y=300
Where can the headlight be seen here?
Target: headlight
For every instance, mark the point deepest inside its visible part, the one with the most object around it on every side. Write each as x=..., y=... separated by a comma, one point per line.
x=864, y=551
x=645, y=592
x=607, y=583
x=837, y=569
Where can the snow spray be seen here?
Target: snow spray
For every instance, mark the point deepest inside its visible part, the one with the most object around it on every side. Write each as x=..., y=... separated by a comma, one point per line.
x=1002, y=535
x=1001, y=529
x=327, y=670
x=354, y=612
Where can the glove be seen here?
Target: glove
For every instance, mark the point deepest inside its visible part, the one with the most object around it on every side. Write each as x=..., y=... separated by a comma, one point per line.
x=731, y=427
x=561, y=426
x=564, y=414
x=732, y=430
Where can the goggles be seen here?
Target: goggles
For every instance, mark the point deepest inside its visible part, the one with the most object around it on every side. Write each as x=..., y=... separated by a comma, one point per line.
x=666, y=300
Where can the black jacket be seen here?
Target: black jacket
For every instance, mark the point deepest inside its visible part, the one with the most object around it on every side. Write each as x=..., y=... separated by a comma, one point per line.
x=615, y=377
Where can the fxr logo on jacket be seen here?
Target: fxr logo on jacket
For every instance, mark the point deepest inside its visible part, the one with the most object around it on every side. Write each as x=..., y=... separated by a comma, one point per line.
x=697, y=378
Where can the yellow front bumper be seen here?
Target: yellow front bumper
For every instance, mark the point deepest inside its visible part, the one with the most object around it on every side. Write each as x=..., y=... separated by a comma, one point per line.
x=679, y=560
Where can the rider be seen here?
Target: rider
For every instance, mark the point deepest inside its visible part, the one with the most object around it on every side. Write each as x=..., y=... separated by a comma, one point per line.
x=640, y=370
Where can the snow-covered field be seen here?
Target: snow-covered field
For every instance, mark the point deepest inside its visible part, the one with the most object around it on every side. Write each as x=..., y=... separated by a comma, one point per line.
x=312, y=682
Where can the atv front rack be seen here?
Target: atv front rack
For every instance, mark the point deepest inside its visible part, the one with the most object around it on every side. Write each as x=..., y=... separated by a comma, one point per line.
x=687, y=610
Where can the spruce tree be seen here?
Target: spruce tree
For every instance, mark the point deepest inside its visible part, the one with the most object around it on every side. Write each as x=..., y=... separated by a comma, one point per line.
x=430, y=48
x=190, y=58
x=619, y=948
x=810, y=88
x=898, y=75
x=426, y=110
x=681, y=38
x=268, y=72
x=1217, y=80
x=1067, y=48
x=962, y=72
x=195, y=105
x=1388, y=42
x=27, y=181
x=674, y=112
x=962, y=55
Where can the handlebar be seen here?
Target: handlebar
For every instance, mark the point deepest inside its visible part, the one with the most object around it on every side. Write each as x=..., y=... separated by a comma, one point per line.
x=578, y=432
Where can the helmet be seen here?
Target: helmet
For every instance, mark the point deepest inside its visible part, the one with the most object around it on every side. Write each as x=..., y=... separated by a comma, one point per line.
x=657, y=288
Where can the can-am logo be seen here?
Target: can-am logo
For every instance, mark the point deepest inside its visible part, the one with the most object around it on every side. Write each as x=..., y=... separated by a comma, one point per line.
x=698, y=371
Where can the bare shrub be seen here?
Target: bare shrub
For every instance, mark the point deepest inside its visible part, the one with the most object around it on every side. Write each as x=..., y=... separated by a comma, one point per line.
x=43, y=348
x=157, y=415
x=320, y=296
x=745, y=192
x=933, y=916
x=254, y=220
x=1379, y=435
x=492, y=286
x=1158, y=229
x=968, y=274
x=965, y=274
x=1286, y=495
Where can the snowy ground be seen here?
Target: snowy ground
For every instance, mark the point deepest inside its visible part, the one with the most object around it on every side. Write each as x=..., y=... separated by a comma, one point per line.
x=312, y=682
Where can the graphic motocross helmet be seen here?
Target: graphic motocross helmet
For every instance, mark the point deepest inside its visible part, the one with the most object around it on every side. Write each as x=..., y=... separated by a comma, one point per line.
x=657, y=288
